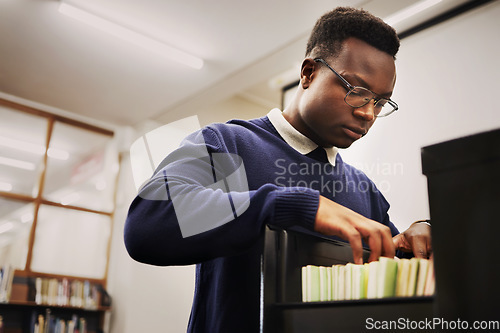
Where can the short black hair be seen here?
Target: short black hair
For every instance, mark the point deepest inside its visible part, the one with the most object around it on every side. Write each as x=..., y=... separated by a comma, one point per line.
x=334, y=27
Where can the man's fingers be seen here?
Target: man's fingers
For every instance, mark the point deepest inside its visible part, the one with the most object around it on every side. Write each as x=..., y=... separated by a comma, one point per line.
x=416, y=239
x=357, y=248
x=375, y=244
x=420, y=253
x=388, y=248
x=420, y=248
x=379, y=239
x=399, y=243
x=334, y=219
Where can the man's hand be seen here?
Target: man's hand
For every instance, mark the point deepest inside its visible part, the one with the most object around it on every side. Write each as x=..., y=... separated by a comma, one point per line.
x=416, y=239
x=333, y=219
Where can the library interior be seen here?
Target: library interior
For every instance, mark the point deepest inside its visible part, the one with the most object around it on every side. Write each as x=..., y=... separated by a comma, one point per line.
x=93, y=96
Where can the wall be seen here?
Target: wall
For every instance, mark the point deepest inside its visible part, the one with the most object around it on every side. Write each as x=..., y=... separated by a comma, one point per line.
x=145, y=298
x=233, y=108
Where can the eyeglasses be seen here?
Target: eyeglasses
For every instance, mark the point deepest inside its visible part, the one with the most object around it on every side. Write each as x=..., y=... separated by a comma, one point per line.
x=359, y=96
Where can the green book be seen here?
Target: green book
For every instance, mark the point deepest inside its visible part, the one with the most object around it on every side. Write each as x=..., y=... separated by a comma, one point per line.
x=386, y=277
x=412, y=277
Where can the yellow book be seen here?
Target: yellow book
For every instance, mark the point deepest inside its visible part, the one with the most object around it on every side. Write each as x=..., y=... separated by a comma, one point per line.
x=402, y=277
x=422, y=275
x=365, y=279
x=41, y=324
x=430, y=283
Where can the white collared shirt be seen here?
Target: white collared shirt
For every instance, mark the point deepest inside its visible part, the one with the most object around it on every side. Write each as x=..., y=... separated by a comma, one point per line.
x=295, y=139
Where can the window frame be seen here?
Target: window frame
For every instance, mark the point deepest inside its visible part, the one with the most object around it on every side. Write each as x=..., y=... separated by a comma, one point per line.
x=38, y=200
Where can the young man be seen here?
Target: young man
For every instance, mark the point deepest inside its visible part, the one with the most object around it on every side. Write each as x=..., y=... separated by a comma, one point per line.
x=209, y=201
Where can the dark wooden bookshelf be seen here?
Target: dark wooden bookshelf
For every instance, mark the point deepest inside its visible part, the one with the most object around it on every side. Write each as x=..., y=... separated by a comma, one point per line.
x=351, y=315
x=21, y=310
x=17, y=316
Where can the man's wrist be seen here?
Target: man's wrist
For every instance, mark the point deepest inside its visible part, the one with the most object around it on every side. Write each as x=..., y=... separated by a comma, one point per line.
x=428, y=222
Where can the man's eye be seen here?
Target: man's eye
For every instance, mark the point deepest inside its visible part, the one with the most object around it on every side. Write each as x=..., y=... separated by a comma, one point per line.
x=381, y=103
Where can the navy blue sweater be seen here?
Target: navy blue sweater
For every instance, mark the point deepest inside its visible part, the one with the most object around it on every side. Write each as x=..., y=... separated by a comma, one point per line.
x=171, y=221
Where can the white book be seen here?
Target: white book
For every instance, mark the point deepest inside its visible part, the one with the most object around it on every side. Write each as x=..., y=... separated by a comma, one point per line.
x=371, y=290
x=38, y=288
x=71, y=326
x=335, y=282
x=348, y=281
x=341, y=283
x=358, y=282
x=323, y=292
x=304, y=283
x=329, y=283
x=313, y=290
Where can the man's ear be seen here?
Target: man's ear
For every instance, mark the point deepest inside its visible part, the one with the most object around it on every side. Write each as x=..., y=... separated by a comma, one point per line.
x=307, y=72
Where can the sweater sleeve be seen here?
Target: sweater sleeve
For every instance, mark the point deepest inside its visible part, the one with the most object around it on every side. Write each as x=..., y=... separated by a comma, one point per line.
x=197, y=206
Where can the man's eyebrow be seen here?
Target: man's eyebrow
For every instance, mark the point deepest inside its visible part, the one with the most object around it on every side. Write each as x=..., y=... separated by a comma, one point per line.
x=364, y=84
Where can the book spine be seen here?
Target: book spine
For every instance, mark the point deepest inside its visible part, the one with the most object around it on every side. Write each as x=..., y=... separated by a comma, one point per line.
x=377, y=279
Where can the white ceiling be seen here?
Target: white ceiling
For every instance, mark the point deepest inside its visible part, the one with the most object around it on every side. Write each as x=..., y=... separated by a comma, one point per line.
x=59, y=62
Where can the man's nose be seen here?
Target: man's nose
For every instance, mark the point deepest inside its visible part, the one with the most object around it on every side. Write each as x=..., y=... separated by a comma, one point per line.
x=366, y=112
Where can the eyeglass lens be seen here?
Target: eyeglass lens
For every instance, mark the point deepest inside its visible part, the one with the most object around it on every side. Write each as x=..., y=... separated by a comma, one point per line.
x=359, y=96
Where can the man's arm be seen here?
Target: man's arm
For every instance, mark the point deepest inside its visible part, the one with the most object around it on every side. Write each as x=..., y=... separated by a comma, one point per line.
x=191, y=210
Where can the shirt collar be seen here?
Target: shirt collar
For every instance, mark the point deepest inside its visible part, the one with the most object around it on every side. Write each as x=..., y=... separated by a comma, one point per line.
x=294, y=138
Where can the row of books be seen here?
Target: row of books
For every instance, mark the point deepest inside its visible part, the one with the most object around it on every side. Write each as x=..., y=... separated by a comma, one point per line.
x=6, y=278
x=386, y=277
x=63, y=292
x=48, y=323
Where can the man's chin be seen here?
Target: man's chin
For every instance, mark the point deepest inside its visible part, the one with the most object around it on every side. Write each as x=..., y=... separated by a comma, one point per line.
x=345, y=144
